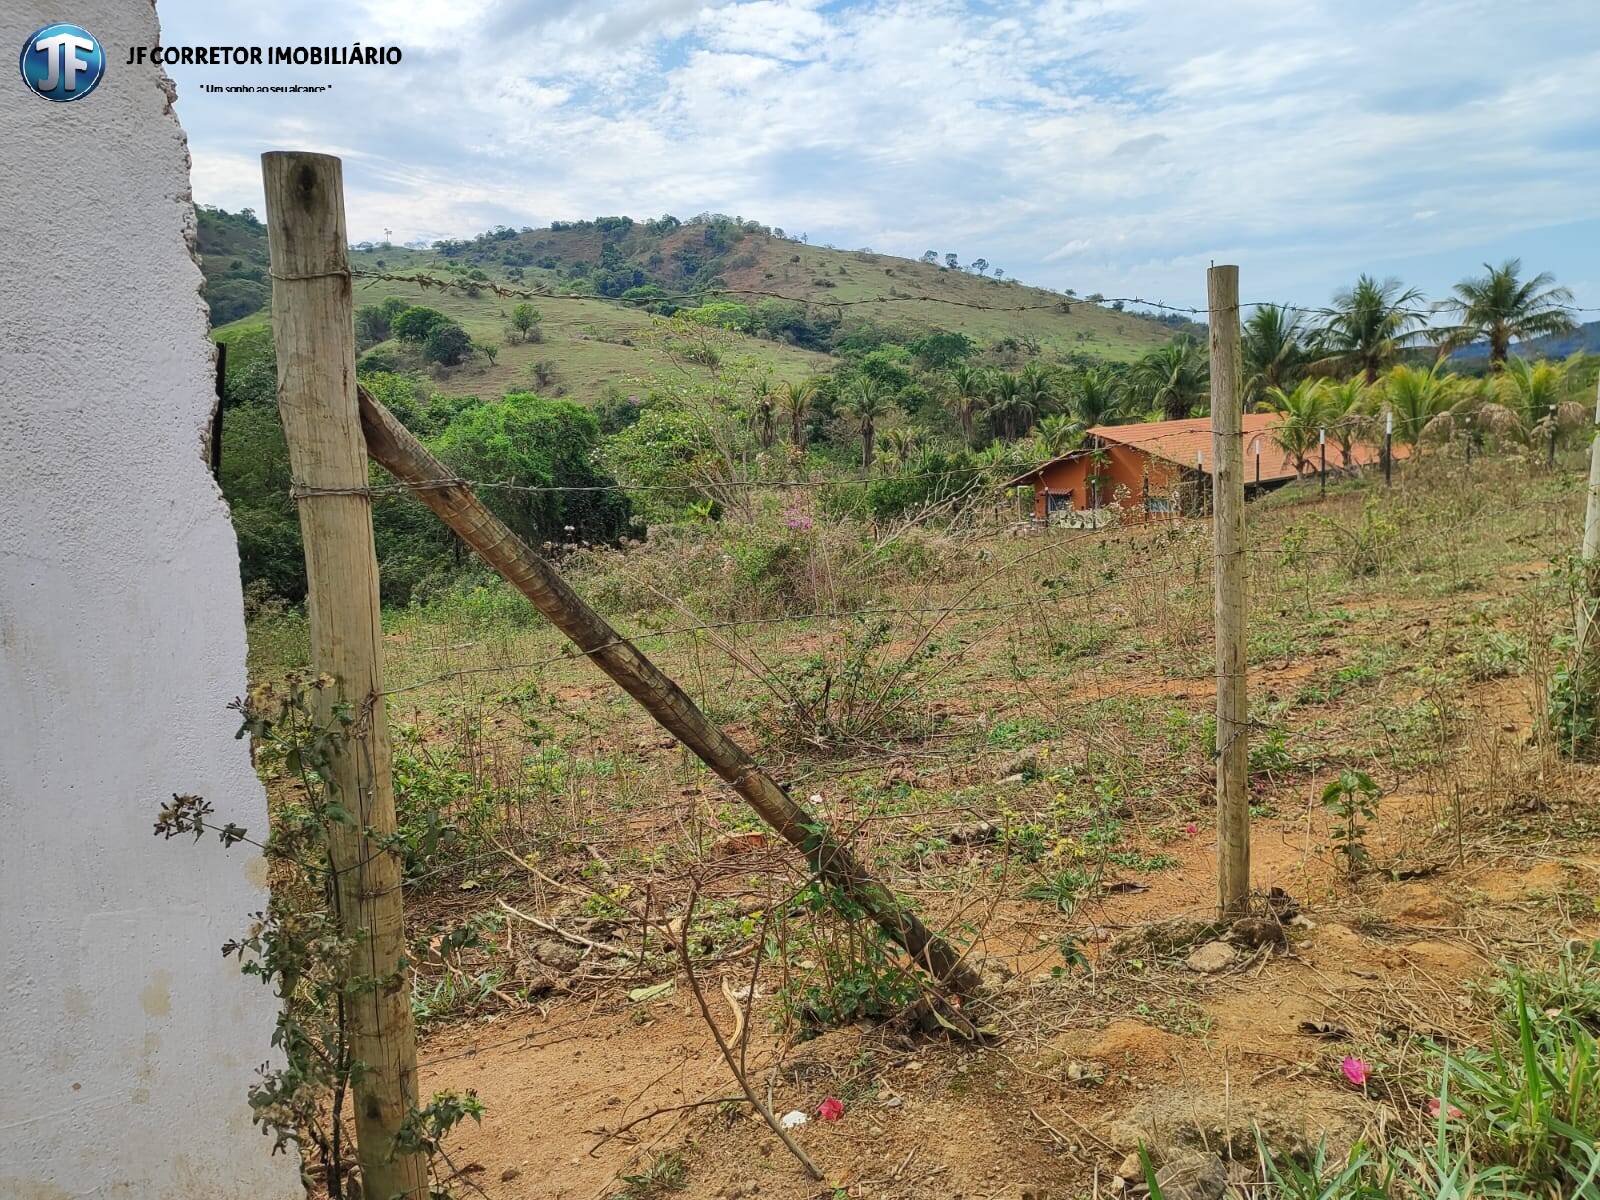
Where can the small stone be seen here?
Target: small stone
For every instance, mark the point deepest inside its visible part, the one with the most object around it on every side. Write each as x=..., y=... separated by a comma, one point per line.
x=1082, y=1072
x=1132, y=1167
x=1196, y=1177
x=557, y=954
x=509, y=1174
x=1211, y=958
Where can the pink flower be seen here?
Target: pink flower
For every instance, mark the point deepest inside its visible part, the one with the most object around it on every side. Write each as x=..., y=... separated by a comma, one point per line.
x=1191, y=829
x=1433, y=1110
x=830, y=1109
x=1355, y=1071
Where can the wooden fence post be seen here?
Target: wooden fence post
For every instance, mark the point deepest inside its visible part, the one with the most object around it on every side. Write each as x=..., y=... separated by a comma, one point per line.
x=312, y=326
x=1227, y=505
x=1589, y=600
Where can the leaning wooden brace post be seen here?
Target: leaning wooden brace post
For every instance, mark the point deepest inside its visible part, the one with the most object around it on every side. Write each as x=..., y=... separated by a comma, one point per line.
x=1227, y=506
x=311, y=324
x=393, y=447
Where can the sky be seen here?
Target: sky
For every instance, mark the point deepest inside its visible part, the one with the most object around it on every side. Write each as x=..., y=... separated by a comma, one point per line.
x=1116, y=146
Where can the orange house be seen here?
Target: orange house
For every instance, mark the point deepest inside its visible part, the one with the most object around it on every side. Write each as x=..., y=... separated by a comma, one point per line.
x=1163, y=467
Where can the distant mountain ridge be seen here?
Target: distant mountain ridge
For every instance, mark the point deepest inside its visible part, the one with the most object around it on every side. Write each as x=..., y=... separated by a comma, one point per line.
x=1585, y=338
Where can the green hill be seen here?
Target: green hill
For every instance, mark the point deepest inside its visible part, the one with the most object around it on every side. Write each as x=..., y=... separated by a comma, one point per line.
x=602, y=281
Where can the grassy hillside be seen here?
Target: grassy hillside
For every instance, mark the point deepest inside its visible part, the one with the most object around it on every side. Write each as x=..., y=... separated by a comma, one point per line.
x=605, y=280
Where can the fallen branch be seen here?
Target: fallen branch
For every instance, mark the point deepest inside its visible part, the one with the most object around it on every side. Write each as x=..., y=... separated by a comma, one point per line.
x=576, y=939
x=788, y=1141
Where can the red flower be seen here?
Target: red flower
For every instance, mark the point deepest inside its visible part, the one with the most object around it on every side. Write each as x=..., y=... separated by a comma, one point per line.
x=830, y=1109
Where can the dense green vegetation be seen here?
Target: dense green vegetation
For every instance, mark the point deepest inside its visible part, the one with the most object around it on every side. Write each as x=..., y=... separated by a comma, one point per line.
x=522, y=441
x=233, y=260
x=902, y=417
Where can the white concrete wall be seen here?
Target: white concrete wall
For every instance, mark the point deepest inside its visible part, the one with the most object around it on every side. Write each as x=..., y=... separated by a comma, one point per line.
x=127, y=1042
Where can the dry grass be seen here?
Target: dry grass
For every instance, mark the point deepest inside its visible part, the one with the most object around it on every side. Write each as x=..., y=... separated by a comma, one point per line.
x=1025, y=751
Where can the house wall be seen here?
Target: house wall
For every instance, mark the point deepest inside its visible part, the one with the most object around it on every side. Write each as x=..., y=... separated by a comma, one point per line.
x=128, y=1041
x=1122, y=473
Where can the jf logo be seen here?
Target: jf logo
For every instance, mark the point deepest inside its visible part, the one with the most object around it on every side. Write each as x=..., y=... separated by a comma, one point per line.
x=63, y=62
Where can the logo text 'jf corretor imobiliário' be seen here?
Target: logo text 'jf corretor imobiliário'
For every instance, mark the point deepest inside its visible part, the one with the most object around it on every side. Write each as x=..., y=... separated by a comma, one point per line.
x=62, y=62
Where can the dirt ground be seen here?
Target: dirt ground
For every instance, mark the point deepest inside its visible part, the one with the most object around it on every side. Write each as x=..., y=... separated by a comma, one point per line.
x=1135, y=1049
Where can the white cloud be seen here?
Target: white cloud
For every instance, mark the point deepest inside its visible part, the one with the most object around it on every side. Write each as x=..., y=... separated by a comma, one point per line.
x=1134, y=139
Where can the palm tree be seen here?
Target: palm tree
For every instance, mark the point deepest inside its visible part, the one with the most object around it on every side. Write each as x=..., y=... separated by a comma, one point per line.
x=1371, y=321
x=1274, y=349
x=1500, y=308
x=796, y=399
x=1059, y=433
x=1304, y=410
x=1038, y=389
x=968, y=387
x=870, y=405
x=762, y=413
x=1009, y=409
x=1097, y=396
x=1344, y=408
x=1176, y=378
x=898, y=446
x=1534, y=394
x=1416, y=397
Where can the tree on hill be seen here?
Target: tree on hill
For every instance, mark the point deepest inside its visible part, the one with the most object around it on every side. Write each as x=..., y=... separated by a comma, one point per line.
x=968, y=388
x=930, y=257
x=1010, y=407
x=1498, y=307
x=446, y=344
x=951, y=261
x=980, y=265
x=796, y=401
x=941, y=349
x=1175, y=379
x=1097, y=396
x=1274, y=349
x=868, y=403
x=524, y=317
x=374, y=322
x=415, y=324
x=1371, y=322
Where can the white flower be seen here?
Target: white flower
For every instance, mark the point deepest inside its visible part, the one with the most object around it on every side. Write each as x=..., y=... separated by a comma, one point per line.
x=792, y=1120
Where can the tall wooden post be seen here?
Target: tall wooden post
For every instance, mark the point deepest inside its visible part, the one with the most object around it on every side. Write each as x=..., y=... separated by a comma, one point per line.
x=312, y=325
x=1388, y=447
x=1227, y=505
x=1322, y=465
x=1590, y=599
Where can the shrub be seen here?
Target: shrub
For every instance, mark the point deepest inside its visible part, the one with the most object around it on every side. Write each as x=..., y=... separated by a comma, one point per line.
x=415, y=324
x=446, y=345
x=531, y=442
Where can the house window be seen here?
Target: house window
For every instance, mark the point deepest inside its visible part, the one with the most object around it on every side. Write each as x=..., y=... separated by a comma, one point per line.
x=1157, y=504
x=1059, y=501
